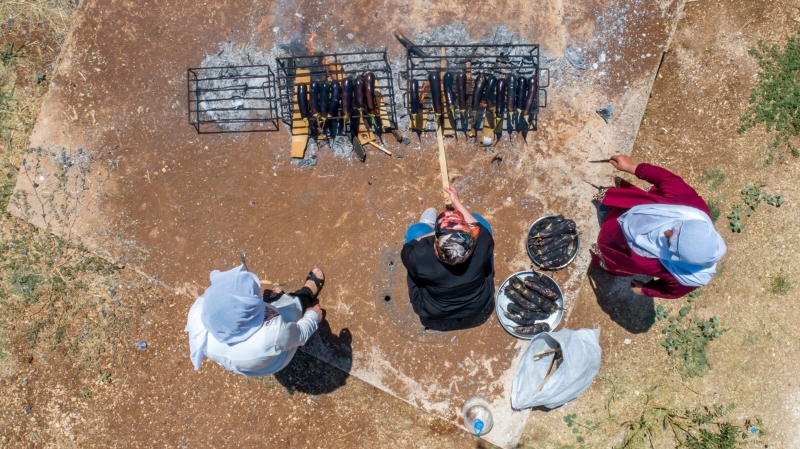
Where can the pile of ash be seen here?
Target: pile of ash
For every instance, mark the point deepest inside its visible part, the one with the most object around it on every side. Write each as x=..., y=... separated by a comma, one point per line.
x=233, y=90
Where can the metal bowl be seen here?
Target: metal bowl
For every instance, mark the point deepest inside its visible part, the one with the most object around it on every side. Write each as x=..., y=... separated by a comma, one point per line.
x=501, y=303
x=533, y=258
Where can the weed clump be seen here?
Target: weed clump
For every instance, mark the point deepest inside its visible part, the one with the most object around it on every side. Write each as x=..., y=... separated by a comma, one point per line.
x=700, y=428
x=776, y=98
x=752, y=196
x=713, y=178
x=688, y=343
x=781, y=284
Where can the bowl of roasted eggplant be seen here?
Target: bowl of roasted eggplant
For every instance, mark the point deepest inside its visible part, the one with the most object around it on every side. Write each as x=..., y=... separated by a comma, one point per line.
x=552, y=242
x=529, y=303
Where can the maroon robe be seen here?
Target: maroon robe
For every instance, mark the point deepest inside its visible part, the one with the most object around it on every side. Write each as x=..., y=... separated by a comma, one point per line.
x=619, y=259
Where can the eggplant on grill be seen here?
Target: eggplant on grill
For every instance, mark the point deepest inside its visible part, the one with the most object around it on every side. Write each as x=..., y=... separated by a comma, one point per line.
x=435, y=81
x=302, y=101
x=361, y=95
x=532, y=97
x=348, y=93
x=511, y=81
x=449, y=94
x=369, y=81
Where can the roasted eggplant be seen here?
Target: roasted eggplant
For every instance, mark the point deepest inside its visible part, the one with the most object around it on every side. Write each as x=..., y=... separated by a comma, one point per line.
x=521, y=92
x=348, y=93
x=563, y=227
x=511, y=81
x=518, y=299
x=533, y=296
x=435, y=81
x=519, y=319
x=547, y=292
x=531, y=96
x=558, y=242
x=477, y=92
x=336, y=99
x=501, y=97
x=361, y=95
x=537, y=328
x=515, y=308
x=302, y=101
x=316, y=87
x=461, y=89
x=490, y=95
x=324, y=97
x=449, y=95
x=413, y=96
x=369, y=82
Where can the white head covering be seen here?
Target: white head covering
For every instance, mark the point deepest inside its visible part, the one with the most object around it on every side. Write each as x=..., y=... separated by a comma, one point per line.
x=691, y=256
x=231, y=309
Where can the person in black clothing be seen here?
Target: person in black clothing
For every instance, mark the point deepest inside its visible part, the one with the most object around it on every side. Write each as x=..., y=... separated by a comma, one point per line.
x=450, y=264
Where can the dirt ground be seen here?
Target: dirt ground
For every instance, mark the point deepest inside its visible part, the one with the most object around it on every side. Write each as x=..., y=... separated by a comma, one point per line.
x=116, y=395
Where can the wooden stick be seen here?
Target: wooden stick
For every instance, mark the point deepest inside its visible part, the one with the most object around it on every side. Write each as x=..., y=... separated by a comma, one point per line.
x=443, y=164
x=375, y=144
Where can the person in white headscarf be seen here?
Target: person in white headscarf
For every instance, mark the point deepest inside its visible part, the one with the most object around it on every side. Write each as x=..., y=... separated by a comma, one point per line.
x=234, y=325
x=665, y=232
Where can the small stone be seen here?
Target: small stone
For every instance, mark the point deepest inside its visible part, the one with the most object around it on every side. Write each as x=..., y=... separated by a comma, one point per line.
x=575, y=57
x=25, y=383
x=28, y=411
x=406, y=140
x=399, y=156
x=607, y=112
x=526, y=202
x=627, y=341
x=104, y=313
x=85, y=329
x=508, y=199
x=10, y=22
x=369, y=182
x=252, y=203
x=141, y=345
x=24, y=252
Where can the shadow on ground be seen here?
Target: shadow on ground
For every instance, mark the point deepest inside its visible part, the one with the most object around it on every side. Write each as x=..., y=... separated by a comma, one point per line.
x=308, y=374
x=635, y=313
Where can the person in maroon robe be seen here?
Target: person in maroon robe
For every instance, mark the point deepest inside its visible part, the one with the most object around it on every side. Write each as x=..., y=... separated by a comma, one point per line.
x=665, y=232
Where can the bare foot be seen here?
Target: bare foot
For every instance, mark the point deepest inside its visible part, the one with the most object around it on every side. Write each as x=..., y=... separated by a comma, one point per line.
x=311, y=285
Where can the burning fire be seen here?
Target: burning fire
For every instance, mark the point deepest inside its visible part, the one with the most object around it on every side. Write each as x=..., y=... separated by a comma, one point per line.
x=311, y=48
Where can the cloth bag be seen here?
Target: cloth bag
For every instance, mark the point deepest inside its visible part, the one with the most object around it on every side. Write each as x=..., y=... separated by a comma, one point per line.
x=581, y=353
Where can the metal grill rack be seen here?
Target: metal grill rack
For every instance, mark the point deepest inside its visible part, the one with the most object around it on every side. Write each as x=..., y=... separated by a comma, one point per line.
x=232, y=99
x=336, y=67
x=497, y=59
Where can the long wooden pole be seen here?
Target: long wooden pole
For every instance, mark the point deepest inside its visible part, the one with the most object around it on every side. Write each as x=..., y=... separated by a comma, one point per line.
x=442, y=157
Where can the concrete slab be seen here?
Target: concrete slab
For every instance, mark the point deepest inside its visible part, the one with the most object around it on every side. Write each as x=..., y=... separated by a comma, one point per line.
x=119, y=168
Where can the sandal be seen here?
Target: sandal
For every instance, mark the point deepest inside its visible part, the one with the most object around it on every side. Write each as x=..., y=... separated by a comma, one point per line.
x=317, y=281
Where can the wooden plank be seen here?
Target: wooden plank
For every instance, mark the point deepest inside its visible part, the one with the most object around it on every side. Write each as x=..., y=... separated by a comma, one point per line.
x=299, y=128
x=443, y=166
x=449, y=120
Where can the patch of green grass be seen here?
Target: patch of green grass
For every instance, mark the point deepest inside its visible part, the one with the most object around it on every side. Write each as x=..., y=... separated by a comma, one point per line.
x=700, y=428
x=715, y=209
x=713, y=178
x=11, y=53
x=781, y=284
x=776, y=98
x=752, y=196
x=687, y=343
x=3, y=345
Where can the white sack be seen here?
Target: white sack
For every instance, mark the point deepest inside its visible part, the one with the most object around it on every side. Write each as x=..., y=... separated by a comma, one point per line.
x=581, y=352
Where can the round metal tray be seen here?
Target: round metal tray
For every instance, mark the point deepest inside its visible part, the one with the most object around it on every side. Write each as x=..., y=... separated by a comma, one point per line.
x=533, y=258
x=501, y=302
